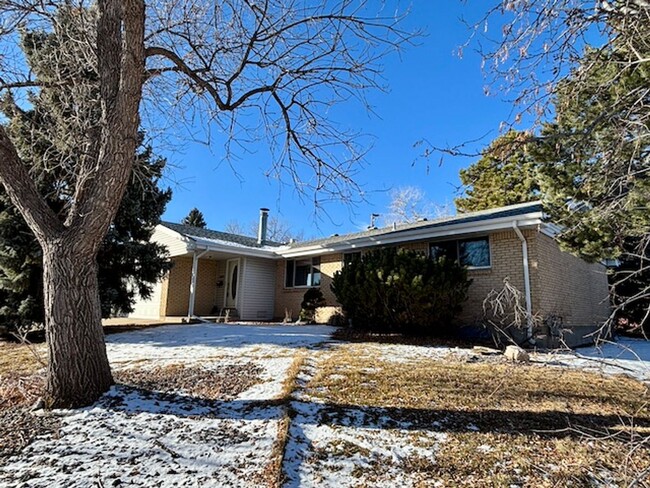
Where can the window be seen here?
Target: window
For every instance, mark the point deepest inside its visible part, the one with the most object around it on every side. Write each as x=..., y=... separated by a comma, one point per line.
x=302, y=272
x=446, y=249
x=473, y=253
x=348, y=257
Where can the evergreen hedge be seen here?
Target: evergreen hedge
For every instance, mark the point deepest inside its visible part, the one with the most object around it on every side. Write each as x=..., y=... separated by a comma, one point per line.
x=401, y=291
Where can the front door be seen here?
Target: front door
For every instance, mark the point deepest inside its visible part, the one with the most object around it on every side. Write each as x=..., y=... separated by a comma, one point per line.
x=232, y=282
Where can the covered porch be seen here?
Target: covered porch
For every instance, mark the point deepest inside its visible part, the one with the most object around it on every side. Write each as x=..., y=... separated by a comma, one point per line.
x=211, y=283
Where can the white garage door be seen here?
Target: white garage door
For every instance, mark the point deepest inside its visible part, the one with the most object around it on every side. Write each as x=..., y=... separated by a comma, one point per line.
x=148, y=309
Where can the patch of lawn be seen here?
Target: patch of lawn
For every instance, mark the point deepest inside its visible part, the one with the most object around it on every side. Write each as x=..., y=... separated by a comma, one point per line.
x=506, y=424
x=21, y=383
x=21, y=359
x=223, y=383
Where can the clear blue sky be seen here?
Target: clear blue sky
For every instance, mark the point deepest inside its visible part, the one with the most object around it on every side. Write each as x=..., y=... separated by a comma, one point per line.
x=433, y=94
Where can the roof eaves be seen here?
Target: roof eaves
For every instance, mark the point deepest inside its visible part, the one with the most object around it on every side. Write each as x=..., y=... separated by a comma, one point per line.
x=234, y=248
x=418, y=233
x=482, y=215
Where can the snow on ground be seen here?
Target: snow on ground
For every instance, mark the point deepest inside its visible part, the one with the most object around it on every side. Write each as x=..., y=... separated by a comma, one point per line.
x=130, y=438
x=198, y=342
x=140, y=438
x=271, y=347
x=625, y=356
x=344, y=446
x=355, y=447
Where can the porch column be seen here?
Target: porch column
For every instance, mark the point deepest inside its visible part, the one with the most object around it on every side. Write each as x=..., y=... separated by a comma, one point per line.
x=195, y=271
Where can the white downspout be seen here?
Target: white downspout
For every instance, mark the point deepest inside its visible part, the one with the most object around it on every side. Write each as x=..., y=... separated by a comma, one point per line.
x=195, y=271
x=529, y=306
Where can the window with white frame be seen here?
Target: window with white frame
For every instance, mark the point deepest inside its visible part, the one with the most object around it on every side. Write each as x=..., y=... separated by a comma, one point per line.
x=473, y=253
x=302, y=272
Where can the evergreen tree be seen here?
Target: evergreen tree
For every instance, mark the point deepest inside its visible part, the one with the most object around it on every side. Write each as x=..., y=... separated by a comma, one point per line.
x=595, y=167
x=127, y=262
x=505, y=175
x=195, y=219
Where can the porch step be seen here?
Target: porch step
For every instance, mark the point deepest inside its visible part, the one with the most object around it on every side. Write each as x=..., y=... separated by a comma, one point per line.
x=227, y=315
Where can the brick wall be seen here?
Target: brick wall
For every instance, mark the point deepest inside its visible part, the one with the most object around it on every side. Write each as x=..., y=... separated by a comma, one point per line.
x=506, y=258
x=569, y=287
x=290, y=298
x=506, y=262
x=176, y=293
x=561, y=283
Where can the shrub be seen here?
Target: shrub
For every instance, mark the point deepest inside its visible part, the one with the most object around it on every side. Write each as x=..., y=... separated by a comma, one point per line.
x=312, y=299
x=401, y=290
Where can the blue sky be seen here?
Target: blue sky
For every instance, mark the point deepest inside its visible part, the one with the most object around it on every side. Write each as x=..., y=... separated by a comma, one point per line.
x=432, y=94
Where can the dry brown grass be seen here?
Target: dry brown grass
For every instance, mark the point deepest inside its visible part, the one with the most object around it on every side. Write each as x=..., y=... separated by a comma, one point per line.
x=223, y=383
x=22, y=382
x=289, y=386
x=529, y=425
x=21, y=359
x=21, y=374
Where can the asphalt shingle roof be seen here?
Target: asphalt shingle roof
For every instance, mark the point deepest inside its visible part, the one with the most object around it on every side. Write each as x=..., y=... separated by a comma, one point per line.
x=200, y=233
x=510, y=211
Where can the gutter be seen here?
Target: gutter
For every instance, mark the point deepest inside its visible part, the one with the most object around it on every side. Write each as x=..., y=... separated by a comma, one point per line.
x=529, y=306
x=389, y=238
x=200, y=245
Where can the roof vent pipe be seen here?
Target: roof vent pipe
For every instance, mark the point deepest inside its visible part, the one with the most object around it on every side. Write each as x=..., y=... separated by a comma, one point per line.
x=261, y=230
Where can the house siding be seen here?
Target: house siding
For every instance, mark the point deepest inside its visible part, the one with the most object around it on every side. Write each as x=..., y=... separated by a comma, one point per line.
x=257, y=289
x=175, y=245
x=148, y=309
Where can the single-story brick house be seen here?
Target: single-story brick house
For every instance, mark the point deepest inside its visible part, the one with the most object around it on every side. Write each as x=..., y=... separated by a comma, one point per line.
x=260, y=280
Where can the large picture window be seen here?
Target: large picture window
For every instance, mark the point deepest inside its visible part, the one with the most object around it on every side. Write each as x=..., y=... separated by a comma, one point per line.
x=302, y=272
x=473, y=253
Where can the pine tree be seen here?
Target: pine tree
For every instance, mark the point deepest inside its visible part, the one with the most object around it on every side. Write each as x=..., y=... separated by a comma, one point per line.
x=195, y=219
x=595, y=167
x=505, y=175
x=127, y=262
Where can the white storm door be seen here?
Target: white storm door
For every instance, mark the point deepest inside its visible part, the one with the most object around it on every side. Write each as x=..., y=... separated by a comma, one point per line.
x=232, y=283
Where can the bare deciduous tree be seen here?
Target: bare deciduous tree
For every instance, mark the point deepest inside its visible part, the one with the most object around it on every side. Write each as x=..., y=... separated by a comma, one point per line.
x=579, y=70
x=277, y=230
x=409, y=204
x=528, y=46
x=270, y=67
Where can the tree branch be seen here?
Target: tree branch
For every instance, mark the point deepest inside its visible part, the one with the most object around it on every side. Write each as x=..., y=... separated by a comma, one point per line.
x=23, y=192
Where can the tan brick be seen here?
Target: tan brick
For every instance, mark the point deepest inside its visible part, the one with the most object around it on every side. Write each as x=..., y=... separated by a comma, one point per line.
x=561, y=284
x=176, y=291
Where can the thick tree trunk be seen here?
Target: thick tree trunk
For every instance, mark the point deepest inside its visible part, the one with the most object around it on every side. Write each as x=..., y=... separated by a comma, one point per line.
x=78, y=369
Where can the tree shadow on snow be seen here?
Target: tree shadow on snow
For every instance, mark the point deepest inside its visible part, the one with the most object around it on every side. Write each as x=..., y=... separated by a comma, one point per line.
x=554, y=423
x=226, y=335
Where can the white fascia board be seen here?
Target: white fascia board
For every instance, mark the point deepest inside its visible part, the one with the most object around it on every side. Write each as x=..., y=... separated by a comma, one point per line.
x=239, y=250
x=451, y=230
